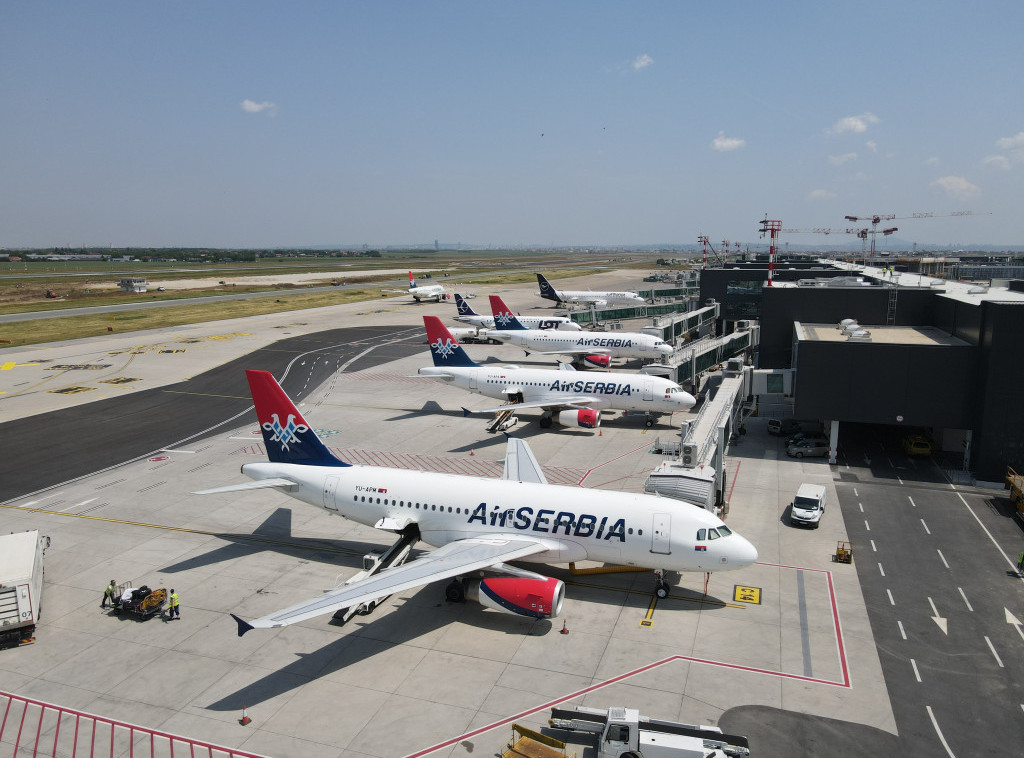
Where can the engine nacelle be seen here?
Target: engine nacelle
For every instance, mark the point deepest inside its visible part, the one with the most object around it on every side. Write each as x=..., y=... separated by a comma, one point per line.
x=584, y=418
x=600, y=361
x=526, y=597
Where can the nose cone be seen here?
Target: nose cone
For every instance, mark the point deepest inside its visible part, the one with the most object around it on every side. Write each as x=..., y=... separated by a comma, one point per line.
x=742, y=553
x=685, y=400
x=664, y=349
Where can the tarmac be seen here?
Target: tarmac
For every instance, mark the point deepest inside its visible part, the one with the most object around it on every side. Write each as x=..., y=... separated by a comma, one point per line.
x=419, y=676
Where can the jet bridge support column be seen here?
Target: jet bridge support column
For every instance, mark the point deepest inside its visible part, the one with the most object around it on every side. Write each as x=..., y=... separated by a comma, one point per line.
x=833, y=442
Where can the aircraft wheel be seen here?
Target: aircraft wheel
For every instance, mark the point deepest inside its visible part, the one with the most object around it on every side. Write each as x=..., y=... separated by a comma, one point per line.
x=455, y=592
x=648, y=422
x=661, y=590
x=545, y=422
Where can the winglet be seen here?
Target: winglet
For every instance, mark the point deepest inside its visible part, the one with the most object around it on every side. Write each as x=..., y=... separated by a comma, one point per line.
x=466, y=412
x=243, y=626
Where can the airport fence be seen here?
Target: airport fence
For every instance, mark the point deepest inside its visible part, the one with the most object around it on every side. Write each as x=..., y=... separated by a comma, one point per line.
x=35, y=728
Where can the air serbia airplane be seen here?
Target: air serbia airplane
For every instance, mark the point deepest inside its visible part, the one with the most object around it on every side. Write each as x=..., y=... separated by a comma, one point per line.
x=593, y=348
x=433, y=292
x=571, y=398
x=468, y=316
x=586, y=297
x=477, y=524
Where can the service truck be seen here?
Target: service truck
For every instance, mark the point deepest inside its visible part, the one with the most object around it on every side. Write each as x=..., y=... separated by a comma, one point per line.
x=21, y=586
x=624, y=732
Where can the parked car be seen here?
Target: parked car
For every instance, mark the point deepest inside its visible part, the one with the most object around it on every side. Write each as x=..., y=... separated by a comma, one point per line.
x=916, y=444
x=790, y=426
x=808, y=506
x=803, y=436
x=808, y=448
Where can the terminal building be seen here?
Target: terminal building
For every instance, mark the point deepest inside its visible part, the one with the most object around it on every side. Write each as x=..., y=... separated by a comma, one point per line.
x=863, y=345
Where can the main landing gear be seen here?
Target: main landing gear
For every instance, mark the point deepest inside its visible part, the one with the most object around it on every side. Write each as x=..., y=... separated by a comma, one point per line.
x=455, y=591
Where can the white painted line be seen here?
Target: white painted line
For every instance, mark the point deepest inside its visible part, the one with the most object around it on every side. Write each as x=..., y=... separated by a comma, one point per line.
x=911, y=501
x=925, y=526
x=1013, y=566
x=873, y=545
x=891, y=601
x=890, y=462
x=861, y=506
x=903, y=632
x=935, y=725
x=966, y=601
x=942, y=557
x=855, y=492
x=881, y=570
x=917, y=674
x=899, y=479
x=165, y=450
x=867, y=525
x=29, y=504
x=994, y=653
x=84, y=502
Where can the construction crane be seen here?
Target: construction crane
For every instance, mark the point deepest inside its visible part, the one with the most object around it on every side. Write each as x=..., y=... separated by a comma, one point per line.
x=877, y=218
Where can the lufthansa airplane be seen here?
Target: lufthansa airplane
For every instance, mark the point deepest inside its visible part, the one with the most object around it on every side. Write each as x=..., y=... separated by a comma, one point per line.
x=586, y=297
x=433, y=292
x=569, y=397
x=592, y=348
x=468, y=316
x=477, y=524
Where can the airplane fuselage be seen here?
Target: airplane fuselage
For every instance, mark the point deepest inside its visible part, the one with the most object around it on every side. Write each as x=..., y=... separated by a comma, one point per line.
x=626, y=392
x=530, y=322
x=573, y=523
x=616, y=345
x=602, y=298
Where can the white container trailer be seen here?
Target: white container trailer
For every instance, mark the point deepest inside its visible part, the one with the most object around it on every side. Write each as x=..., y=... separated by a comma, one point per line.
x=21, y=586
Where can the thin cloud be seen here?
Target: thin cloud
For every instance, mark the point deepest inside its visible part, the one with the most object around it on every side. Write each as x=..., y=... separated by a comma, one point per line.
x=933, y=161
x=957, y=187
x=642, y=61
x=872, y=146
x=1000, y=162
x=724, y=144
x=839, y=160
x=1011, y=143
x=1014, y=146
x=857, y=124
x=820, y=194
x=251, y=106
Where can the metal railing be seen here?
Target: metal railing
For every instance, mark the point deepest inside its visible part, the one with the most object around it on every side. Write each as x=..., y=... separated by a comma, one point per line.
x=35, y=728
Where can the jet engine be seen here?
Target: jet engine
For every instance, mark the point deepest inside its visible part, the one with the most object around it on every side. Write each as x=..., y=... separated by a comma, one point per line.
x=539, y=598
x=585, y=418
x=600, y=361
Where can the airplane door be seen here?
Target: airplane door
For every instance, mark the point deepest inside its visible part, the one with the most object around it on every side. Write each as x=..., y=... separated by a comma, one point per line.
x=472, y=381
x=662, y=529
x=330, y=486
x=648, y=391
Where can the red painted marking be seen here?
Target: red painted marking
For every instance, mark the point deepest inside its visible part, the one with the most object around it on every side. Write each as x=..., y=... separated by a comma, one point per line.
x=734, y=477
x=610, y=460
x=157, y=458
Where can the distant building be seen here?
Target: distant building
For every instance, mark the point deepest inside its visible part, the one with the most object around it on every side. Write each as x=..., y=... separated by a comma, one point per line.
x=133, y=284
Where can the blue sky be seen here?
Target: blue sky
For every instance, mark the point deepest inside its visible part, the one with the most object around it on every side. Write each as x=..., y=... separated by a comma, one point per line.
x=242, y=124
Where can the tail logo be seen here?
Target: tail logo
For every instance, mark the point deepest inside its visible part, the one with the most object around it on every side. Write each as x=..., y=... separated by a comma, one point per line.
x=446, y=348
x=285, y=434
x=503, y=318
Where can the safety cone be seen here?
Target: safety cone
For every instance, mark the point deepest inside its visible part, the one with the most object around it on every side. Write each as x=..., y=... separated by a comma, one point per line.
x=600, y=432
x=565, y=629
x=245, y=720
x=471, y=452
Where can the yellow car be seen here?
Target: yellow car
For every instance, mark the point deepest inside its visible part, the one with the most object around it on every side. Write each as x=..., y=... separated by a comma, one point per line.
x=915, y=444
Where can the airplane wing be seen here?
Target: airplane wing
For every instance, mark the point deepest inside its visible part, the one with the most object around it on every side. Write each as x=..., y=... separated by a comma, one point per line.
x=257, y=485
x=453, y=559
x=570, y=402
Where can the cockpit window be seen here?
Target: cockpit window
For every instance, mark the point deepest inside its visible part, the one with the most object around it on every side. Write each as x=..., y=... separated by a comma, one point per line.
x=702, y=534
x=724, y=530
x=713, y=534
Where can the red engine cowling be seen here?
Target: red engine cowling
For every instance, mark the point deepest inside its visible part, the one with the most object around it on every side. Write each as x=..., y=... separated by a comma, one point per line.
x=527, y=597
x=601, y=361
x=585, y=418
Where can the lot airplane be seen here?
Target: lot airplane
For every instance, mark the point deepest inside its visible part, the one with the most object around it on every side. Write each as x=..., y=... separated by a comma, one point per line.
x=586, y=297
x=569, y=397
x=477, y=524
x=433, y=292
x=592, y=348
x=468, y=316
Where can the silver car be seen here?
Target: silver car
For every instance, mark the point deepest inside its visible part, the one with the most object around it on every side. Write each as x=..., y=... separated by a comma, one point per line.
x=808, y=448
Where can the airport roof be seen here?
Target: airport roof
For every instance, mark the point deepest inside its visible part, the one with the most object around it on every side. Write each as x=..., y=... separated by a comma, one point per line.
x=885, y=335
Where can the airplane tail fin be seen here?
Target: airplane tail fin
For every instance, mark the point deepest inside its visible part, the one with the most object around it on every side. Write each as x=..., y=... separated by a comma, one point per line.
x=504, y=318
x=546, y=290
x=444, y=348
x=412, y=281
x=286, y=435
x=465, y=309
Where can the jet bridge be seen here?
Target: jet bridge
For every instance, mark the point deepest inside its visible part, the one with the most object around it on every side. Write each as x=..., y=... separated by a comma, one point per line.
x=697, y=473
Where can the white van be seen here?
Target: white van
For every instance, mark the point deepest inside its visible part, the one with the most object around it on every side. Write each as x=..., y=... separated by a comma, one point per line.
x=808, y=505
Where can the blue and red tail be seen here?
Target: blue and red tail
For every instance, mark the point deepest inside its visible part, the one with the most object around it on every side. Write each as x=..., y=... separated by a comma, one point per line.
x=504, y=318
x=444, y=348
x=286, y=435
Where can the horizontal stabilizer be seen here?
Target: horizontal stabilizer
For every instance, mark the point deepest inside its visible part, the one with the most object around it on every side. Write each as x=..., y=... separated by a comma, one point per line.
x=257, y=485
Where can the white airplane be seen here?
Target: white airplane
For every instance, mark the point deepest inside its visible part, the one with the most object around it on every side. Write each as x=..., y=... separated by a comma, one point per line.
x=433, y=292
x=468, y=316
x=586, y=297
x=572, y=398
x=592, y=348
x=477, y=524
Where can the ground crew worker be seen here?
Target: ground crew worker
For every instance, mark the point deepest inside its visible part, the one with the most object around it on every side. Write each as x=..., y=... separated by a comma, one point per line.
x=109, y=594
x=174, y=609
x=1020, y=563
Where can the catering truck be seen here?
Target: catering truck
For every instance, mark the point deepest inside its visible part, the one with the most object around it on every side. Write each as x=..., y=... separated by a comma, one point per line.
x=21, y=586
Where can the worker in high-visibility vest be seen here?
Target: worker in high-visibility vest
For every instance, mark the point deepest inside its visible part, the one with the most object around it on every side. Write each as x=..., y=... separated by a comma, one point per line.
x=174, y=604
x=109, y=594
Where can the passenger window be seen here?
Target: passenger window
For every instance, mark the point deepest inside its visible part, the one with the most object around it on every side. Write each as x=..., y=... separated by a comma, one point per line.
x=713, y=534
x=702, y=534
